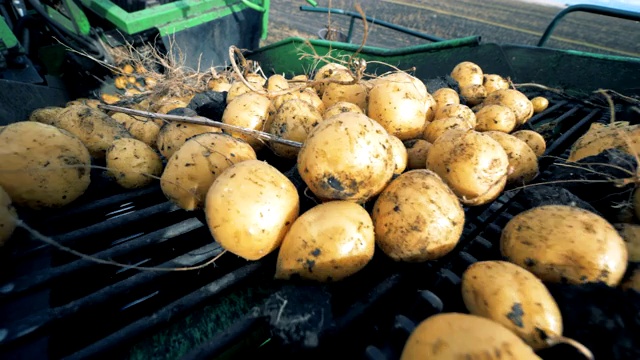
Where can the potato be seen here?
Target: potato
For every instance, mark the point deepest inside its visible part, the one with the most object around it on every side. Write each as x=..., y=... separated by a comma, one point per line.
x=133, y=163
x=250, y=111
x=533, y=139
x=473, y=164
x=514, y=100
x=346, y=157
x=452, y=336
x=399, y=104
x=467, y=73
x=400, y=156
x=457, y=110
x=329, y=242
x=335, y=92
x=293, y=121
x=47, y=115
x=601, y=138
x=445, y=96
x=174, y=134
x=239, y=88
x=42, y=166
x=8, y=217
x=120, y=82
x=493, y=82
x=417, y=151
x=340, y=107
x=436, y=128
x=220, y=84
x=195, y=165
x=631, y=235
x=325, y=72
x=94, y=128
x=309, y=95
x=300, y=78
x=495, y=118
x=513, y=297
x=250, y=207
x=563, y=243
x=522, y=160
x=92, y=103
x=431, y=107
x=539, y=103
x=277, y=82
x=170, y=104
x=417, y=217
x=141, y=129
x=473, y=94
x=110, y=99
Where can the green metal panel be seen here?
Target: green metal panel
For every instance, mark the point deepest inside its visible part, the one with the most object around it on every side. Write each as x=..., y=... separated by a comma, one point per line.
x=6, y=35
x=186, y=23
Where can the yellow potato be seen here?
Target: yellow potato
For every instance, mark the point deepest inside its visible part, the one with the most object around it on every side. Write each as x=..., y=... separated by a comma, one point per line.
x=8, y=217
x=467, y=73
x=431, y=107
x=250, y=207
x=436, y=128
x=293, y=121
x=535, y=141
x=539, y=104
x=346, y=157
x=277, y=82
x=141, y=129
x=446, y=96
x=300, y=78
x=220, y=84
x=195, y=165
x=340, y=107
x=417, y=217
x=120, y=82
x=173, y=134
x=335, y=92
x=325, y=72
x=493, y=82
x=457, y=110
x=92, y=103
x=631, y=235
x=133, y=163
x=170, y=104
x=495, y=118
x=417, y=151
x=47, y=115
x=563, y=243
x=600, y=138
x=238, y=88
x=473, y=94
x=522, y=160
x=250, y=111
x=400, y=156
x=454, y=336
x=473, y=164
x=309, y=95
x=514, y=100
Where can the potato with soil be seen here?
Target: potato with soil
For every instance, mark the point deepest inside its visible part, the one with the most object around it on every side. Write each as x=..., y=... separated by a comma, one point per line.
x=522, y=160
x=133, y=163
x=341, y=107
x=514, y=100
x=602, y=137
x=47, y=115
x=192, y=169
x=42, y=166
x=467, y=73
x=141, y=129
x=250, y=207
x=166, y=105
x=400, y=156
x=238, y=88
x=561, y=243
x=92, y=103
x=417, y=217
x=307, y=94
x=95, y=129
x=329, y=242
x=346, y=157
x=453, y=336
x=8, y=217
x=473, y=164
x=457, y=110
x=436, y=128
x=417, y=151
x=323, y=74
x=473, y=94
x=535, y=141
x=445, y=96
x=293, y=121
x=250, y=111
x=277, y=82
x=399, y=103
x=494, y=82
x=174, y=134
x=495, y=118
x=343, y=87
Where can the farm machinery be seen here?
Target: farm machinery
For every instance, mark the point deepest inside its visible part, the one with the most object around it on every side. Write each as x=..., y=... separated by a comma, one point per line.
x=56, y=305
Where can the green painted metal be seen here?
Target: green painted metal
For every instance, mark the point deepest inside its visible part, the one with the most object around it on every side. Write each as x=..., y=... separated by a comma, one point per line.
x=77, y=23
x=186, y=23
x=7, y=36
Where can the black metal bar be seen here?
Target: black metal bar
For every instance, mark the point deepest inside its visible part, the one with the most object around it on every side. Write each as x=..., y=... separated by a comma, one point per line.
x=386, y=24
x=593, y=9
x=577, y=127
x=539, y=116
x=166, y=315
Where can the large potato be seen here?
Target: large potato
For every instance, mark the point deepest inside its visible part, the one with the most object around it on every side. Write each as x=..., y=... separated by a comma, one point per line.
x=8, y=217
x=95, y=129
x=467, y=73
x=174, y=134
x=456, y=336
x=603, y=137
x=133, y=163
x=192, y=169
x=522, y=160
x=495, y=118
x=142, y=129
x=42, y=166
x=250, y=111
x=473, y=164
x=535, y=141
x=456, y=110
x=564, y=243
x=514, y=100
x=417, y=217
x=329, y=242
x=293, y=121
x=250, y=207
x=436, y=128
x=346, y=157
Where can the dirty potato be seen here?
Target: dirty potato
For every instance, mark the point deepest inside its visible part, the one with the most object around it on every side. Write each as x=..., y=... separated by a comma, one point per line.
x=417, y=151
x=47, y=115
x=141, y=129
x=341, y=107
x=445, y=96
x=467, y=73
x=535, y=141
x=457, y=110
x=514, y=100
x=173, y=135
x=293, y=121
x=495, y=118
x=250, y=111
x=522, y=160
x=132, y=163
x=436, y=128
x=494, y=82
x=400, y=156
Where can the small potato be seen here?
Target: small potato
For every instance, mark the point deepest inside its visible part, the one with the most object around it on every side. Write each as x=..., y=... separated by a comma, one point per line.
x=495, y=118
x=473, y=94
x=220, y=84
x=133, y=163
x=535, y=141
x=436, y=128
x=417, y=217
x=446, y=96
x=563, y=243
x=341, y=107
x=300, y=78
x=400, y=156
x=325, y=72
x=277, y=82
x=239, y=88
x=467, y=73
x=8, y=216
x=92, y=103
x=457, y=110
x=250, y=111
x=334, y=92
x=173, y=134
x=250, y=207
x=493, y=82
x=329, y=242
x=417, y=151
x=120, y=82
x=522, y=160
x=141, y=129
x=539, y=103
x=293, y=121
x=514, y=100
x=110, y=99
x=631, y=235
x=192, y=169
x=452, y=336
x=309, y=95
x=47, y=115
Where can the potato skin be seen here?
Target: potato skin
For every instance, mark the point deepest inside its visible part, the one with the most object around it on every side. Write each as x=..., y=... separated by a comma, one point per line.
x=495, y=118
x=400, y=156
x=456, y=110
x=445, y=96
x=514, y=100
x=467, y=73
x=417, y=217
x=293, y=121
x=47, y=115
x=58, y=165
x=564, y=243
x=329, y=242
x=522, y=160
x=473, y=94
x=535, y=141
x=453, y=336
x=251, y=111
x=250, y=207
x=515, y=298
x=340, y=107
x=437, y=127
x=174, y=134
x=143, y=130
x=130, y=161
x=493, y=82
x=335, y=92
x=417, y=151
x=539, y=104
x=8, y=216
x=307, y=94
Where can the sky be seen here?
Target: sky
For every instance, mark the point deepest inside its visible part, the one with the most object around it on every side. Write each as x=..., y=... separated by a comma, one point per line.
x=631, y=5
